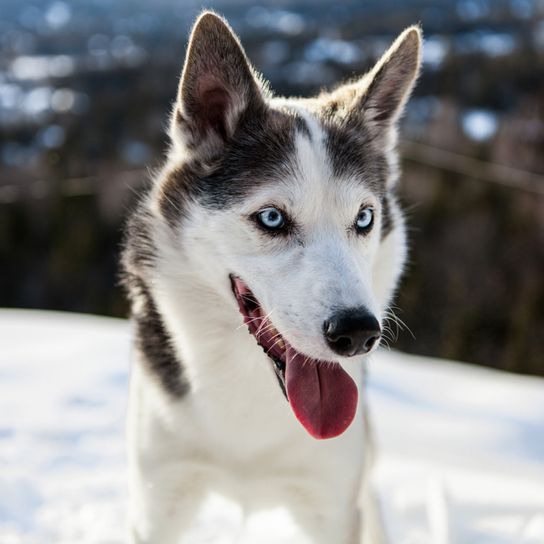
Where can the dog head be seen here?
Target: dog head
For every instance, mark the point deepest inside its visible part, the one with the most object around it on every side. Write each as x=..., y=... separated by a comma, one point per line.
x=286, y=208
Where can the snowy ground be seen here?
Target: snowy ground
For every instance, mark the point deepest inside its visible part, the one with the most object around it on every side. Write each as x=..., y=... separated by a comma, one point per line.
x=463, y=448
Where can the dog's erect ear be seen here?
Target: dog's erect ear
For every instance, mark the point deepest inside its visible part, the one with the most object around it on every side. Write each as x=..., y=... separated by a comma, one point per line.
x=217, y=87
x=393, y=78
x=379, y=96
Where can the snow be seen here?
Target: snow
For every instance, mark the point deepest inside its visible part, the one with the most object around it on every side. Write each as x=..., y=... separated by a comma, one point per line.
x=462, y=448
x=463, y=451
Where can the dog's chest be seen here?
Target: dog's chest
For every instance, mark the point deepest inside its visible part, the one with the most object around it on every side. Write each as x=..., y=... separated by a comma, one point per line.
x=235, y=409
x=236, y=397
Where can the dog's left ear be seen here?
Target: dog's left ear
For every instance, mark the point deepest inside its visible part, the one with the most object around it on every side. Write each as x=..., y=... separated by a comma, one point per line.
x=379, y=97
x=217, y=87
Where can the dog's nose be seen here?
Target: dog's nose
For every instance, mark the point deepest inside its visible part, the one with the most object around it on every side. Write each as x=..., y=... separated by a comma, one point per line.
x=351, y=331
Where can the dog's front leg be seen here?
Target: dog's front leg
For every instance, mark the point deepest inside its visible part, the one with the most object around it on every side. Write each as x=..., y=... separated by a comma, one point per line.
x=335, y=525
x=163, y=503
x=323, y=517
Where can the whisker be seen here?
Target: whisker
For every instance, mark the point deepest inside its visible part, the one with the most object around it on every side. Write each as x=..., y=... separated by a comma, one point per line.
x=265, y=320
x=278, y=338
x=399, y=323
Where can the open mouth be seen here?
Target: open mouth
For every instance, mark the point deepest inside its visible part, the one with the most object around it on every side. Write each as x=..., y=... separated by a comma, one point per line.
x=321, y=394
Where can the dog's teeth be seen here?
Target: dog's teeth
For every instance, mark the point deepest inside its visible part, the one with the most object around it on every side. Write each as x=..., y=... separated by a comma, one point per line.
x=281, y=343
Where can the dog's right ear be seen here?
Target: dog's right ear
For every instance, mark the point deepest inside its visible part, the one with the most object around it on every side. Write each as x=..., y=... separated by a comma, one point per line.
x=217, y=88
x=378, y=98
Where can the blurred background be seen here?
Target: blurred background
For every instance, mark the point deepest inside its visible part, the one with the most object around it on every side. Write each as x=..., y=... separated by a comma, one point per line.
x=85, y=91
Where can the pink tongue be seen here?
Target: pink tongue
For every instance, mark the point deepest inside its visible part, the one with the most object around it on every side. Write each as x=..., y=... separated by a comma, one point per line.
x=322, y=395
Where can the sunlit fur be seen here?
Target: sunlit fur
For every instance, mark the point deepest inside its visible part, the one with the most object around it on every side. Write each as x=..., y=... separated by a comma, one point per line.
x=206, y=413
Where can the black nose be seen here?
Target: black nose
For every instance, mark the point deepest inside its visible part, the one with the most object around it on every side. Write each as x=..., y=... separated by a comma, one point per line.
x=351, y=331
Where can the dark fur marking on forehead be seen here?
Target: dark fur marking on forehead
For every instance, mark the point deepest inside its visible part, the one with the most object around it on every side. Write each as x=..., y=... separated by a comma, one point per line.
x=302, y=127
x=264, y=153
x=261, y=151
x=352, y=153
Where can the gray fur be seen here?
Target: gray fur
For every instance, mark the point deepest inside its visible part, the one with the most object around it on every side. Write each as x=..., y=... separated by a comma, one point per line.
x=230, y=140
x=217, y=87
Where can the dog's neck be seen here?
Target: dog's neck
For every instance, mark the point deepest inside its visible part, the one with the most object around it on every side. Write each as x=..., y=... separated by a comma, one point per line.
x=209, y=340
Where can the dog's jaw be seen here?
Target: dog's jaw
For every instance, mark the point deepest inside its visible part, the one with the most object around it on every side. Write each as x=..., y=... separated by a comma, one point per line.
x=322, y=395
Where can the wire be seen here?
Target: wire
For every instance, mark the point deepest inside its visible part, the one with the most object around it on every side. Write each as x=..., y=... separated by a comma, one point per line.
x=473, y=168
x=69, y=187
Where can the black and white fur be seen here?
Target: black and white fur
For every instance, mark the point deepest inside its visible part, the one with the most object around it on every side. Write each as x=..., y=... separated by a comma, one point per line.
x=206, y=413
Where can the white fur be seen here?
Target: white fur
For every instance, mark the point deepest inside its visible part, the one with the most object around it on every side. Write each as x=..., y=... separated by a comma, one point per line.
x=234, y=433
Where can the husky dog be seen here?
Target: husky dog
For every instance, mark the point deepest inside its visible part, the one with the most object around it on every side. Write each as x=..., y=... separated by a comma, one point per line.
x=260, y=265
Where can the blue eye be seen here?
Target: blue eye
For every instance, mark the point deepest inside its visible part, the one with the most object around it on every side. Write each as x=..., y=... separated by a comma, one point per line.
x=364, y=219
x=271, y=219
